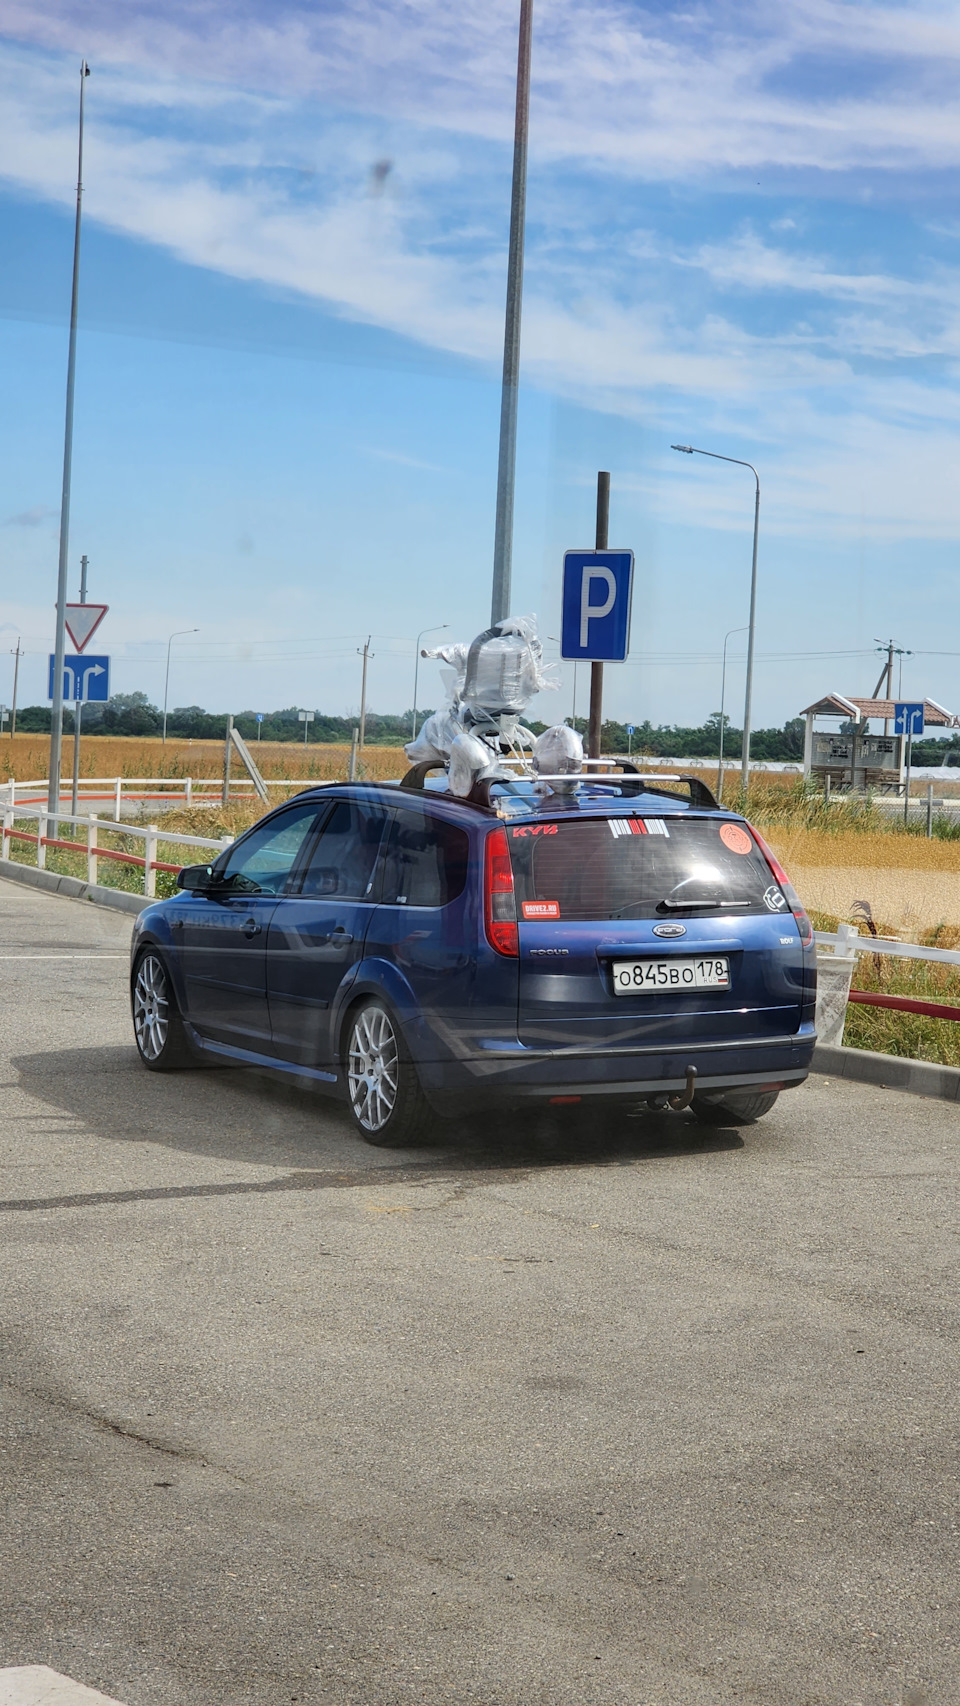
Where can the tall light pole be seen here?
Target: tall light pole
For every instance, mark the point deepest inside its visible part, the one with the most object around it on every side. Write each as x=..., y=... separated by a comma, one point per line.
x=416, y=668
x=692, y=450
x=723, y=698
x=166, y=679
x=59, y=649
x=507, y=463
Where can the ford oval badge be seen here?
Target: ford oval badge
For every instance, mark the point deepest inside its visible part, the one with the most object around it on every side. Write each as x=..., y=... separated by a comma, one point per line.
x=669, y=930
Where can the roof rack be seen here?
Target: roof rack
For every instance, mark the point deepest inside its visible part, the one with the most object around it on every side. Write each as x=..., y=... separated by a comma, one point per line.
x=701, y=796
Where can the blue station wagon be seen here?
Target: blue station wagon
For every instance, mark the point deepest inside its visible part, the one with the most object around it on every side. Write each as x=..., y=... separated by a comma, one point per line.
x=413, y=952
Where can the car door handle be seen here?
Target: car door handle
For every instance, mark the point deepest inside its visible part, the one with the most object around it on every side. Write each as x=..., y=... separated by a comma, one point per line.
x=251, y=929
x=341, y=937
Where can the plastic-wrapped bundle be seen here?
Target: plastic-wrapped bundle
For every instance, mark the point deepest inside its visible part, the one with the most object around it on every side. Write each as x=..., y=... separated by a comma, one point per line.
x=435, y=738
x=470, y=759
x=488, y=684
x=504, y=668
x=558, y=752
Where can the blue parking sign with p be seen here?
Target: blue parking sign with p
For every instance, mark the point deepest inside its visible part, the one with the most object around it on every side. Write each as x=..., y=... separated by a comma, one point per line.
x=597, y=591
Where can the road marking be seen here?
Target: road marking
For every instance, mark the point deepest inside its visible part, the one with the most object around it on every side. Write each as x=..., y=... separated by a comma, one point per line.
x=38, y=1685
x=87, y=956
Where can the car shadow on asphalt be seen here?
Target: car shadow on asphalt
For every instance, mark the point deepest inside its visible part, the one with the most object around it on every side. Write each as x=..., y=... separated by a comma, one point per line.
x=258, y=1118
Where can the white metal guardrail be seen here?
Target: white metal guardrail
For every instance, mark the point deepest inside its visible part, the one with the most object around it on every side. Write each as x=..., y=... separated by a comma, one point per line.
x=151, y=834
x=192, y=790
x=836, y=962
x=848, y=940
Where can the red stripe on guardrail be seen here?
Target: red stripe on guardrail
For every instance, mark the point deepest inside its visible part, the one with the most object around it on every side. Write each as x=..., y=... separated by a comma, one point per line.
x=904, y=1004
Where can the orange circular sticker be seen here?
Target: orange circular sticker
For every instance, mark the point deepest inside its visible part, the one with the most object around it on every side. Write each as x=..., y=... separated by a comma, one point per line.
x=735, y=838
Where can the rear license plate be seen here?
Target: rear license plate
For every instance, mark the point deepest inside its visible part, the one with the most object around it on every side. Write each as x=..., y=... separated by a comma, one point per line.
x=650, y=977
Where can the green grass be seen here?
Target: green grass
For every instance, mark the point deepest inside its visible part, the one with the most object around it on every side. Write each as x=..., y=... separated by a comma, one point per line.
x=111, y=873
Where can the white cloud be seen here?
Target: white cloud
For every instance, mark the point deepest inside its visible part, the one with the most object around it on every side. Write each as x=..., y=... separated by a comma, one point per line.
x=204, y=156
x=654, y=92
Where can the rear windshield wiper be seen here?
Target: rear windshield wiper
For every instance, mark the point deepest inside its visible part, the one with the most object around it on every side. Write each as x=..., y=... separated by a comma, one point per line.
x=689, y=905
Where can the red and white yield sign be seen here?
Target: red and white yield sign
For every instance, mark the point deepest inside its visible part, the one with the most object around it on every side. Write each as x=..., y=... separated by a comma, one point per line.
x=83, y=620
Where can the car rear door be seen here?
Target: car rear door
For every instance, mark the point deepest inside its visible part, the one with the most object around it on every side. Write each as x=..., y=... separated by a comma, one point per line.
x=686, y=899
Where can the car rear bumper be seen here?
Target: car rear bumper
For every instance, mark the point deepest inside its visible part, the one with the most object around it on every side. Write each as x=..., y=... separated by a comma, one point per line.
x=508, y=1073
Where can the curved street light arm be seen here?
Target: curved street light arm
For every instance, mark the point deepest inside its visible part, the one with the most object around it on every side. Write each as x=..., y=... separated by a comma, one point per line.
x=738, y=462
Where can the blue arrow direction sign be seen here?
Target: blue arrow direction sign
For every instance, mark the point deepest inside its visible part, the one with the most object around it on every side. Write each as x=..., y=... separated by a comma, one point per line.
x=597, y=590
x=86, y=679
x=908, y=718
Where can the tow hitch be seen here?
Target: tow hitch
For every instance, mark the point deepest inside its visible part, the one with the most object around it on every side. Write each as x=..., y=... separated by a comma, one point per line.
x=678, y=1103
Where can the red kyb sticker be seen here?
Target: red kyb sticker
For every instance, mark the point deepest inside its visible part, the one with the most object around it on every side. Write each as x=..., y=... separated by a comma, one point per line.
x=541, y=909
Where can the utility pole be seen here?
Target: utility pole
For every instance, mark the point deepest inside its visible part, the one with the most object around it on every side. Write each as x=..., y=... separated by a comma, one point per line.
x=892, y=651
x=507, y=463
x=16, y=672
x=595, y=726
x=366, y=653
x=56, y=718
x=78, y=706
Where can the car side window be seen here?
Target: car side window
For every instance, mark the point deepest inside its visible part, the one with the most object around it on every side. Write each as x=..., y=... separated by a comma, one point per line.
x=343, y=863
x=261, y=863
x=426, y=861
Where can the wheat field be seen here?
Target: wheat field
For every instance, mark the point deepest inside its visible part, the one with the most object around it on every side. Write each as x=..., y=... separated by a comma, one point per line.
x=26, y=758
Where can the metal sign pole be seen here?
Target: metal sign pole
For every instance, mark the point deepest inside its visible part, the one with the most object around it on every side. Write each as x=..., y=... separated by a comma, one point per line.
x=56, y=719
x=594, y=736
x=78, y=705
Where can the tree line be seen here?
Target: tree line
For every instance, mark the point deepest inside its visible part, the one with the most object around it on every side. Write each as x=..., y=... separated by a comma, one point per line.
x=133, y=714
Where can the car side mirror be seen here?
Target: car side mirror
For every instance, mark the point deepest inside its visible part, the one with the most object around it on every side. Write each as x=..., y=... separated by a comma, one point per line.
x=195, y=878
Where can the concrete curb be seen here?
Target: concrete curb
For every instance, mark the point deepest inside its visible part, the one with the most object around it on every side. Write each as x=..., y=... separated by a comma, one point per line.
x=889, y=1071
x=72, y=887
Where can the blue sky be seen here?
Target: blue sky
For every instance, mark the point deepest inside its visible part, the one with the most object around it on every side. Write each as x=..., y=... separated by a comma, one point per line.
x=744, y=232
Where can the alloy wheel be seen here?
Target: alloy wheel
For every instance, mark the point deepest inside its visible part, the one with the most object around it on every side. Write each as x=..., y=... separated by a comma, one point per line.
x=151, y=1007
x=373, y=1075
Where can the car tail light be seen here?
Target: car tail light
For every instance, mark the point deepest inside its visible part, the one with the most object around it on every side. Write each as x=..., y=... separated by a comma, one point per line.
x=499, y=899
x=793, y=899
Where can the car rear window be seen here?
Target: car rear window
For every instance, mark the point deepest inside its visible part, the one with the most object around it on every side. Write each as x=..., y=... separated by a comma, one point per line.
x=639, y=867
x=426, y=861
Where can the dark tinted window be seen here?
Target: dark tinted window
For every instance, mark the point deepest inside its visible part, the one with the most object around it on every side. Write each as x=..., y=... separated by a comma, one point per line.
x=263, y=860
x=426, y=861
x=642, y=867
x=343, y=862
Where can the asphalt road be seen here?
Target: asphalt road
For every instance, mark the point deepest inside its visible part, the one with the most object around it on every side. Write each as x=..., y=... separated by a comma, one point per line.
x=546, y=1415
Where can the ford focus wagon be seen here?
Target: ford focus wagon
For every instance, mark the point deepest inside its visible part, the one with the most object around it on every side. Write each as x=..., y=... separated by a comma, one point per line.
x=416, y=953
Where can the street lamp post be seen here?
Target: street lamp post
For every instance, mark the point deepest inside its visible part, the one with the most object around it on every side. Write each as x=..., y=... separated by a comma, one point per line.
x=509, y=395
x=166, y=679
x=723, y=698
x=416, y=668
x=693, y=450
x=59, y=647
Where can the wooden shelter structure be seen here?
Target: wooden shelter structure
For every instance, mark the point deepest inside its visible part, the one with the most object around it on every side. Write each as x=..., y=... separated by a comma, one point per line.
x=855, y=758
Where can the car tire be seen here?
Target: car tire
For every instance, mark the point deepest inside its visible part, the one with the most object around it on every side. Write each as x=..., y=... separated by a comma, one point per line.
x=386, y=1101
x=157, y=1025
x=739, y=1107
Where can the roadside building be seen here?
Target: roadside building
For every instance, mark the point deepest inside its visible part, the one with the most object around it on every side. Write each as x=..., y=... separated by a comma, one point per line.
x=850, y=756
